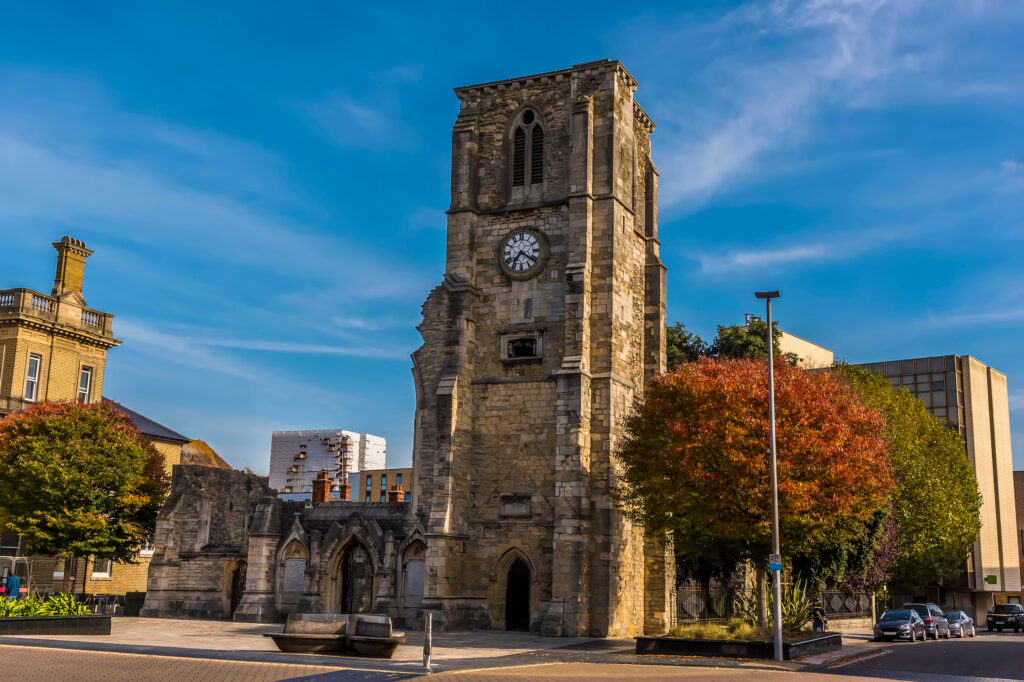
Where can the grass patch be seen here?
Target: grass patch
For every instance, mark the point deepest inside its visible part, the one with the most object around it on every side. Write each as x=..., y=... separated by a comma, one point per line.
x=734, y=629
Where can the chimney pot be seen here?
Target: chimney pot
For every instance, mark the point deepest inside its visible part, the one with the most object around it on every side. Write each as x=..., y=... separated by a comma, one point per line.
x=321, y=487
x=71, y=255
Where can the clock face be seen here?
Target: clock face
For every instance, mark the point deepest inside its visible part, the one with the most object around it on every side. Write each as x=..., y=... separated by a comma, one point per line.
x=521, y=253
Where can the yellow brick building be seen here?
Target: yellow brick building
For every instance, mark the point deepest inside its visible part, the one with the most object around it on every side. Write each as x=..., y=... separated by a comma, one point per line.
x=53, y=347
x=373, y=485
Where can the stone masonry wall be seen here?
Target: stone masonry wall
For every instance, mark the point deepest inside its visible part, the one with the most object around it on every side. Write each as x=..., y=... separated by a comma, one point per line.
x=515, y=459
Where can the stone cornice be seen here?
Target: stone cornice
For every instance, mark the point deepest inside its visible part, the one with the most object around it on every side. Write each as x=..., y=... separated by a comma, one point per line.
x=57, y=329
x=512, y=83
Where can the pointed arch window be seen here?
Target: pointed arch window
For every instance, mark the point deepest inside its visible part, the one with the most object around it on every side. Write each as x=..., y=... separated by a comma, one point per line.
x=527, y=151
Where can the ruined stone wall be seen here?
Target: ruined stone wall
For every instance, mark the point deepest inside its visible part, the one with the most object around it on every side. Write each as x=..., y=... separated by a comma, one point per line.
x=201, y=536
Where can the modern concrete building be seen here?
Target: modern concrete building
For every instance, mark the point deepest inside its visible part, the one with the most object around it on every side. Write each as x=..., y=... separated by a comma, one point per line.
x=1018, y=494
x=973, y=399
x=810, y=354
x=297, y=456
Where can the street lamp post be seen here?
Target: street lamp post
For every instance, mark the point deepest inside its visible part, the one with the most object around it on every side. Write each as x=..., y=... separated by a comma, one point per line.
x=775, y=560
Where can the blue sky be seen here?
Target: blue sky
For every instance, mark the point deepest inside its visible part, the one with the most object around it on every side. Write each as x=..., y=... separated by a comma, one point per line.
x=264, y=185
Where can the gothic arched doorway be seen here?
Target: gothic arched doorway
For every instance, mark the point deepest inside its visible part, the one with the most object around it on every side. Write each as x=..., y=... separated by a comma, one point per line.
x=355, y=580
x=517, y=597
x=237, y=586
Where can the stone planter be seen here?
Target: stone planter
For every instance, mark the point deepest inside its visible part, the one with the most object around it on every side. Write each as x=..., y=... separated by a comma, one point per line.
x=56, y=625
x=733, y=648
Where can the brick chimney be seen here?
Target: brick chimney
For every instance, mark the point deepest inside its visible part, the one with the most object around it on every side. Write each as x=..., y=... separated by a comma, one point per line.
x=71, y=255
x=344, y=491
x=396, y=494
x=322, y=487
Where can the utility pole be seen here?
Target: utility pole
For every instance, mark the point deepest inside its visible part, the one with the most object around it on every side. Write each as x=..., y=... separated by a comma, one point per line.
x=775, y=560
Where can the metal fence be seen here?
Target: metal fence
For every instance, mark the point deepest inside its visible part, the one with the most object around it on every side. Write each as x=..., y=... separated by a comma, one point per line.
x=839, y=604
x=694, y=605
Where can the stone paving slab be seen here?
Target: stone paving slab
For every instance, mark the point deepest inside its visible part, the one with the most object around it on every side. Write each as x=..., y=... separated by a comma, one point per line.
x=37, y=664
x=626, y=673
x=227, y=636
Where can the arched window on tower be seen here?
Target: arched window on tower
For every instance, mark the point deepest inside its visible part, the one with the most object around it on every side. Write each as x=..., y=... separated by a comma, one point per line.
x=527, y=150
x=519, y=158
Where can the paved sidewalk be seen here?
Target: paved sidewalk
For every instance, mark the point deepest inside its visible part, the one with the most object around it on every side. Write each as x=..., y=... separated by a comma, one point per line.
x=37, y=664
x=228, y=636
x=198, y=649
x=626, y=673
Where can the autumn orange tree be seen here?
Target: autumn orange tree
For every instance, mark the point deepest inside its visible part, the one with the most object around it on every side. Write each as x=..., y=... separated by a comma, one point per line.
x=79, y=480
x=695, y=464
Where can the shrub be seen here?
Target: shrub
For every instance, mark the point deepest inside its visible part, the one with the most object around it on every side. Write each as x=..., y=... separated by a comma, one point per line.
x=33, y=605
x=797, y=607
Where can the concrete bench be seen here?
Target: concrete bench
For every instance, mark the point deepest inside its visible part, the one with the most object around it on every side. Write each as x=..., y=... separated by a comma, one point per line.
x=338, y=633
x=312, y=633
x=372, y=636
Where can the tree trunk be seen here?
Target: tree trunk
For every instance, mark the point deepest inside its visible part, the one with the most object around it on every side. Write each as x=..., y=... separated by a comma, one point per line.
x=762, y=597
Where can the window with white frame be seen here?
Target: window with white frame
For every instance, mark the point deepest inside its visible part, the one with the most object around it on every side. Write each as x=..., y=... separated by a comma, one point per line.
x=32, y=377
x=84, y=384
x=101, y=568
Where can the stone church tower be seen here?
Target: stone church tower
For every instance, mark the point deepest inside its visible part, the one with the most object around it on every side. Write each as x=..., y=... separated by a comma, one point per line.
x=549, y=320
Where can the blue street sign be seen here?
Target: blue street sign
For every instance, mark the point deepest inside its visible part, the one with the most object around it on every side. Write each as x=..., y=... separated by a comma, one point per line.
x=774, y=567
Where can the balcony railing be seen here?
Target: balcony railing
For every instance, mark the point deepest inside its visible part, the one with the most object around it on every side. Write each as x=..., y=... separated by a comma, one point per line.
x=28, y=303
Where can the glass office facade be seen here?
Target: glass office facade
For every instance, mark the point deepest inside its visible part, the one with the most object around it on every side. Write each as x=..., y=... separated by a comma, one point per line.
x=937, y=382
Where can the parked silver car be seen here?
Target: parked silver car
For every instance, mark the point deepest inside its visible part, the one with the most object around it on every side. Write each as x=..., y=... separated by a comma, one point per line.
x=900, y=624
x=960, y=624
x=935, y=623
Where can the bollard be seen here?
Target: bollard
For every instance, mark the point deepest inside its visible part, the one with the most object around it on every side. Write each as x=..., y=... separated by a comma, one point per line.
x=427, y=636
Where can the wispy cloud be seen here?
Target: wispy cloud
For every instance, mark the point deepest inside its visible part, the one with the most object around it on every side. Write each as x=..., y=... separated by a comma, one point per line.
x=805, y=250
x=371, y=119
x=976, y=317
x=774, y=69
x=192, y=346
x=765, y=257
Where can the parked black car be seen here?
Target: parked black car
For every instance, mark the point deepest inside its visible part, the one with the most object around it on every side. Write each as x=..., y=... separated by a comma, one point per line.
x=935, y=623
x=960, y=624
x=1005, y=616
x=900, y=624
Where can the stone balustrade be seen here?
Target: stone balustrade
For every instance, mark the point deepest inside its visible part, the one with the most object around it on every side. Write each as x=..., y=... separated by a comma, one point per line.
x=32, y=304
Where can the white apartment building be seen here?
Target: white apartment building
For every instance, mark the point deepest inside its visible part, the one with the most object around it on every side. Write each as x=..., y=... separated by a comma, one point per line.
x=297, y=456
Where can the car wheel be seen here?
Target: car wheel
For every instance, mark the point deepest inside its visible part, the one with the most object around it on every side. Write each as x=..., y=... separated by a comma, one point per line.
x=948, y=634
x=936, y=633
x=913, y=635
x=973, y=631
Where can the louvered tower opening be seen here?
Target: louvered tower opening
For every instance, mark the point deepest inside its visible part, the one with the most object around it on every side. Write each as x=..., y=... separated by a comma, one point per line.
x=537, y=155
x=519, y=158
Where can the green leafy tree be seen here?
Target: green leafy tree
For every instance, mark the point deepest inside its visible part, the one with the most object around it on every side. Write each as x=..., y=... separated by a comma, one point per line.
x=748, y=341
x=79, y=480
x=735, y=342
x=695, y=464
x=936, y=506
x=682, y=346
